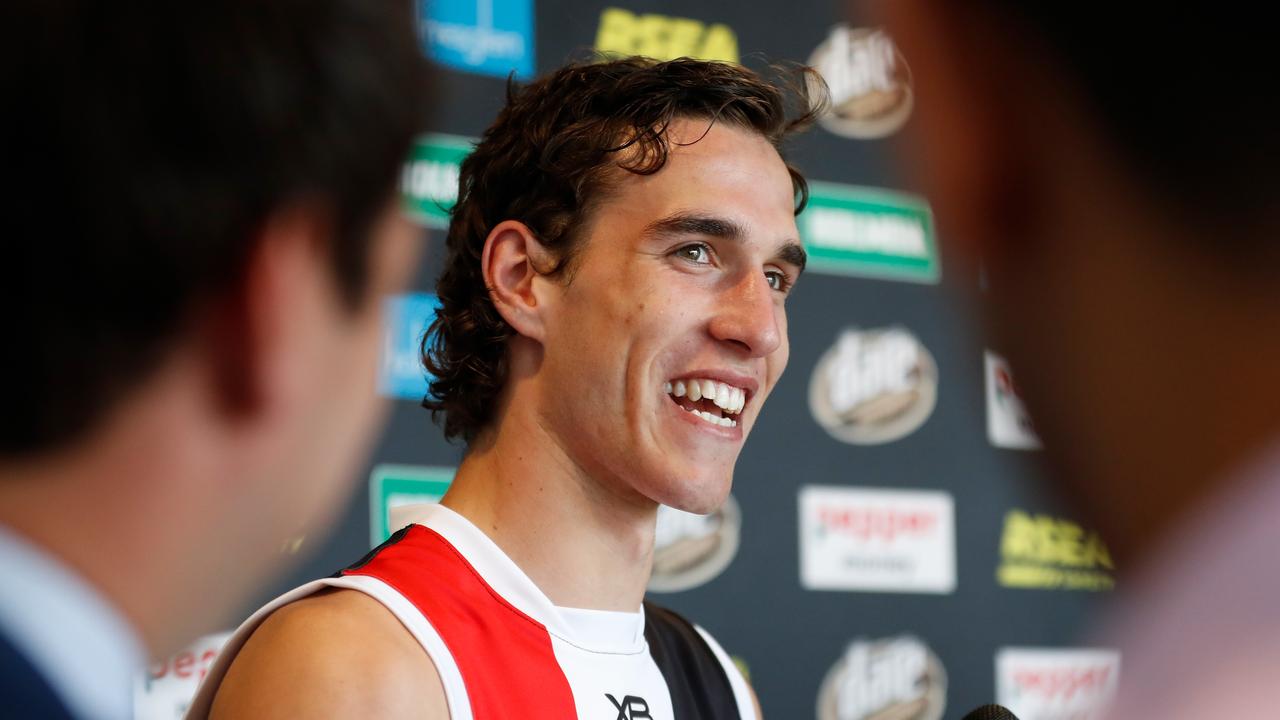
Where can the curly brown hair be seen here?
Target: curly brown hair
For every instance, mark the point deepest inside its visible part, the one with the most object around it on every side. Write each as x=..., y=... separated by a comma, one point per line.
x=546, y=162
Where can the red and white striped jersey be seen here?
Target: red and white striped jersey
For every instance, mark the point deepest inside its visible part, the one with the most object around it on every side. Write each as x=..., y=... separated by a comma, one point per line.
x=503, y=650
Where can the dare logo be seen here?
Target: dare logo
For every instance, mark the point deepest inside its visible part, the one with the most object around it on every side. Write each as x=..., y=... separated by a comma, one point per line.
x=1040, y=551
x=661, y=37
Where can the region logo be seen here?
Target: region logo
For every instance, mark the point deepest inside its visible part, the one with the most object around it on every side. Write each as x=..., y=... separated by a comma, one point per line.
x=876, y=540
x=897, y=678
x=1049, y=553
x=623, y=33
x=690, y=550
x=873, y=386
x=486, y=37
x=869, y=82
x=405, y=320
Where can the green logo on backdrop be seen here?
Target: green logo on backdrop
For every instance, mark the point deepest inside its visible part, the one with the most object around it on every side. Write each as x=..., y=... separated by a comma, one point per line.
x=869, y=232
x=391, y=486
x=429, y=183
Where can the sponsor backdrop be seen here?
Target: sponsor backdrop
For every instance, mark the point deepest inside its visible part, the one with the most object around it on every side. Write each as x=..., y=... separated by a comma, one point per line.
x=887, y=551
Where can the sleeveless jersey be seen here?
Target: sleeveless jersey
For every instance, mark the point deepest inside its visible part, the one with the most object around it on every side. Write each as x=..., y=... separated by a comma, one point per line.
x=503, y=650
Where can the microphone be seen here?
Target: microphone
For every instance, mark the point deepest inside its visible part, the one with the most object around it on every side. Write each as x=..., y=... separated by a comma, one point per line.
x=990, y=712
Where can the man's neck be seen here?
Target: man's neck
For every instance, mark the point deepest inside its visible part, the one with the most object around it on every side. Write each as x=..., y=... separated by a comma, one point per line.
x=582, y=542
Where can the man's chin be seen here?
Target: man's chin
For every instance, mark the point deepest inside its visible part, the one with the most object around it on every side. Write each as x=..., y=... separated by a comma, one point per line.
x=702, y=496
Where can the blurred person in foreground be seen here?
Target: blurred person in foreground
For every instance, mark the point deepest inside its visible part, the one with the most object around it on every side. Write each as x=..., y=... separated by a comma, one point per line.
x=613, y=318
x=1117, y=180
x=202, y=216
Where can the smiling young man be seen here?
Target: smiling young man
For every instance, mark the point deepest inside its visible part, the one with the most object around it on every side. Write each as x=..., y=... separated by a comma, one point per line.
x=614, y=316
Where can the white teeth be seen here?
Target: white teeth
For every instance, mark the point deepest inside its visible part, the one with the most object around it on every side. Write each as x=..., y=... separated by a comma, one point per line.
x=727, y=397
x=715, y=419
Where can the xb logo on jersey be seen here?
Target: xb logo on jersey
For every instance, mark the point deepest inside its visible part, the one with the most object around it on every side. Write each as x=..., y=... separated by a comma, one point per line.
x=630, y=707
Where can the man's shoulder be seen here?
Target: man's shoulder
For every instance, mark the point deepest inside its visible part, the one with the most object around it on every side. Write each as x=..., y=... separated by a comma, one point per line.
x=338, y=652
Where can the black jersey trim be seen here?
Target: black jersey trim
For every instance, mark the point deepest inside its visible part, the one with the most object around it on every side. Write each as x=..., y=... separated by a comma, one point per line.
x=699, y=687
x=396, y=537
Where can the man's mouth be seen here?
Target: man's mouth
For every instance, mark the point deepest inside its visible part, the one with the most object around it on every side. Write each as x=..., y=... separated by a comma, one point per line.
x=712, y=401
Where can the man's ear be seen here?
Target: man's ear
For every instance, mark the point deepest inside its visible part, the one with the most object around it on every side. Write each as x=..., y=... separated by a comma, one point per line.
x=965, y=141
x=511, y=260
x=258, y=333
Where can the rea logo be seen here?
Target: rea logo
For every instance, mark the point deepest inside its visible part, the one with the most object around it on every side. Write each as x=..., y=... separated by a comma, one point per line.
x=1040, y=551
x=630, y=707
x=623, y=33
x=1075, y=683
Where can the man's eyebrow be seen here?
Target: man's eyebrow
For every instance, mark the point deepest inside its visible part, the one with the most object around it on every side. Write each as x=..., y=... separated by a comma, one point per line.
x=693, y=224
x=793, y=252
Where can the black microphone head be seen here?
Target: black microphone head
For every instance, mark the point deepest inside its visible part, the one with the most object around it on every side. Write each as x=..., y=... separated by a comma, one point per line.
x=990, y=712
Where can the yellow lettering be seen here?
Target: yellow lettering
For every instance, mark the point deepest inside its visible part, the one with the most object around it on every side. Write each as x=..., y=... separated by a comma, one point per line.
x=720, y=44
x=617, y=32
x=623, y=33
x=1018, y=540
x=686, y=36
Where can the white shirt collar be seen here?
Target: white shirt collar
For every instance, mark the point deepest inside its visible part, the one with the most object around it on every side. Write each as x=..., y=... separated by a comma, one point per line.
x=601, y=631
x=81, y=644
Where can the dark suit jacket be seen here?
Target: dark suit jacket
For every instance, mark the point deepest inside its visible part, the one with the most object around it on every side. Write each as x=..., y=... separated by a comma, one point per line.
x=24, y=693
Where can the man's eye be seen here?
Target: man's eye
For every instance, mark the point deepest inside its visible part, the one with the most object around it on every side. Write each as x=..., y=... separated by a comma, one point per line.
x=778, y=280
x=696, y=253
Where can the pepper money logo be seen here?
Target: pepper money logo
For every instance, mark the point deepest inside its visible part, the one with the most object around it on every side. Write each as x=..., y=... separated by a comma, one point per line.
x=623, y=33
x=164, y=690
x=1008, y=424
x=897, y=678
x=1044, y=552
x=690, y=550
x=877, y=540
x=873, y=386
x=1057, y=683
x=869, y=82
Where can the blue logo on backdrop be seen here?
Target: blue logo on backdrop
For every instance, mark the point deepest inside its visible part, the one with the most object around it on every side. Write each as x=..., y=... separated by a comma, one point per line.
x=406, y=318
x=489, y=37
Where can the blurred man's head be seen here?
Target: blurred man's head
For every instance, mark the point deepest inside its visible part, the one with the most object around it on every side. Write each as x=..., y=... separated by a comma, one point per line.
x=622, y=249
x=202, y=214
x=1115, y=180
